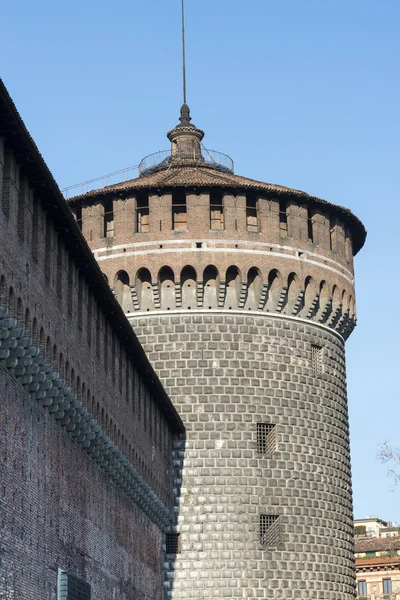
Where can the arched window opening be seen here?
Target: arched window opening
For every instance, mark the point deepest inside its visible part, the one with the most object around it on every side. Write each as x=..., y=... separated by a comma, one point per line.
x=274, y=289
x=167, y=288
x=292, y=294
x=211, y=287
x=179, y=210
x=142, y=213
x=233, y=285
x=123, y=291
x=251, y=213
x=11, y=302
x=188, y=288
x=253, y=289
x=20, y=311
x=108, y=223
x=217, y=222
x=144, y=290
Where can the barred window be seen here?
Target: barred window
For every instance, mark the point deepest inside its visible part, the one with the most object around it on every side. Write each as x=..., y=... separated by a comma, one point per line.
x=173, y=545
x=266, y=438
x=72, y=588
x=269, y=530
x=316, y=359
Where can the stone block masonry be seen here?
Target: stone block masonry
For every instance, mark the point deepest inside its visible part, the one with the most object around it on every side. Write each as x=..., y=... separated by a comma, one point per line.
x=275, y=525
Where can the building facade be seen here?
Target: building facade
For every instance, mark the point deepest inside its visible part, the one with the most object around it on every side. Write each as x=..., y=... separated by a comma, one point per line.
x=377, y=553
x=86, y=427
x=242, y=294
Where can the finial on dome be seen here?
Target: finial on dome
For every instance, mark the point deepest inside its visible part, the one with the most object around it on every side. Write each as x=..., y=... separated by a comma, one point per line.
x=185, y=117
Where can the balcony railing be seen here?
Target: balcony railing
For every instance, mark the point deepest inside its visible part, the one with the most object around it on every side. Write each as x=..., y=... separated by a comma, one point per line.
x=165, y=158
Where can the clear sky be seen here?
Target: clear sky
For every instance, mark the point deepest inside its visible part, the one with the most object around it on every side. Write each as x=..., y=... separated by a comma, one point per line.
x=304, y=93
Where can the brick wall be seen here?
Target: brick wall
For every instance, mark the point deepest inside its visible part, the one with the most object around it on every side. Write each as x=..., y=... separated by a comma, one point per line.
x=86, y=427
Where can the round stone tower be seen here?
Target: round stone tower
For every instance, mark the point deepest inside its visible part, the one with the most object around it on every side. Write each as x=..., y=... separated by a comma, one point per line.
x=242, y=294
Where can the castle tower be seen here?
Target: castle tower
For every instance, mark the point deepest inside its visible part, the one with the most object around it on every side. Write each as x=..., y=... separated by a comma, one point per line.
x=242, y=293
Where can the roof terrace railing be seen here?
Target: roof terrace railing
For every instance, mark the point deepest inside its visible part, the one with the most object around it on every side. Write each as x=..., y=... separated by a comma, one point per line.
x=165, y=158
x=101, y=182
x=151, y=163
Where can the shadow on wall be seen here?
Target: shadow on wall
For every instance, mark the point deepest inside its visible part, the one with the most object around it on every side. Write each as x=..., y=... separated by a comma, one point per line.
x=173, y=540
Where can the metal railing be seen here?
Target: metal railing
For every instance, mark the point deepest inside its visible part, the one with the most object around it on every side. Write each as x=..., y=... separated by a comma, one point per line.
x=151, y=163
x=165, y=158
x=101, y=182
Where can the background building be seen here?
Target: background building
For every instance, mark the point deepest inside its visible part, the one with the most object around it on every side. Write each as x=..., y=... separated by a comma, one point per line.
x=377, y=551
x=242, y=294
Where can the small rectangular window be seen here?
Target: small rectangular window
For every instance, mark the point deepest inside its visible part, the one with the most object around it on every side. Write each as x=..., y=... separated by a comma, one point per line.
x=72, y=588
x=251, y=214
x=266, y=438
x=172, y=543
x=316, y=359
x=269, y=530
x=142, y=214
x=332, y=233
x=283, y=219
x=179, y=211
x=108, y=225
x=310, y=229
x=362, y=588
x=387, y=586
x=216, y=211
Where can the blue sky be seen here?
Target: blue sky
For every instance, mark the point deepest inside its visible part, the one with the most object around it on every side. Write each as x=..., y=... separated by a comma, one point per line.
x=304, y=93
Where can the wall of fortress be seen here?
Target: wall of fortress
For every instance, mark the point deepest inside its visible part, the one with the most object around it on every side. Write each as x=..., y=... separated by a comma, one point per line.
x=86, y=430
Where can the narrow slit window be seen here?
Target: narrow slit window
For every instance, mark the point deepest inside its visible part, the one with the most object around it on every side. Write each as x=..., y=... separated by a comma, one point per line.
x=216, y=211
x=283, y=219
x=173, y=543
x=108, y=225
x=269, y=530
x=332, y=234
x=251, y=214
x=72, y=588
x=316, y=359
x=266, y=438
x=179, y=211
x=143, y=214
x=310, y=229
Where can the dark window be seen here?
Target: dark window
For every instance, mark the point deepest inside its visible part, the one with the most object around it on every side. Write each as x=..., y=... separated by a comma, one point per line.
x=179, y=211
x=142, y=214
x=332, y=237
x=172, y=543
x=72, y=588
x=310, y=224
x=269, y=530
x=251, y=214
x=387, y=586
x=216, y=211
x=266, y=438
x=362, y=588
x=78, y=215
x=35, y=229
x=108, y=225
x=283, y=219
x=316, y=359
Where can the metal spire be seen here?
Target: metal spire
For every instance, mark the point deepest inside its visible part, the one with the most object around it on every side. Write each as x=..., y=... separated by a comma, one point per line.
x=183, y=52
